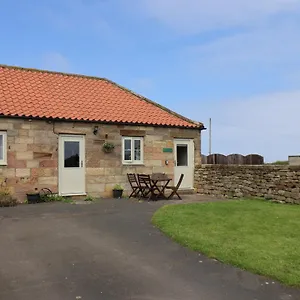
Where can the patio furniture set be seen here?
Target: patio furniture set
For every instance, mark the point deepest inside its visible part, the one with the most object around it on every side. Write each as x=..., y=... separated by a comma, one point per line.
x=153, y=187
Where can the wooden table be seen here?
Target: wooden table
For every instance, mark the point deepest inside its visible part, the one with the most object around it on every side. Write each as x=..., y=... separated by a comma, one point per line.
x=157, y=178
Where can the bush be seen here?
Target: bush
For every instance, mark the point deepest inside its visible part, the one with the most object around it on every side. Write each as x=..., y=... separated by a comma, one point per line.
x=118, y=187
x=89, y=198
x=280, y=162
x=55, y=198
x=52, y=198
x=6, y=199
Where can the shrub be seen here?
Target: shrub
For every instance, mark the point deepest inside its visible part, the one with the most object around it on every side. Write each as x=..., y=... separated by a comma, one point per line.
x=280, y=162
x=6, y=199
x=108, y=147
x=56, y=198
x=89, y=198
x=52, y=198
x=118, y=187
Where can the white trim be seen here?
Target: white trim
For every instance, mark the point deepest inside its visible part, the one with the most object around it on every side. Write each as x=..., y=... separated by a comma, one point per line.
x=191, y=162
x=3, y=162
x=75, y=194
x=132, y=161
x=80, y=137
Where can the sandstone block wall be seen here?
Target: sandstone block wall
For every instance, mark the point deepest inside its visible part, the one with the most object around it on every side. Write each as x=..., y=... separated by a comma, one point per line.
x=279, y=183
x=33, y=154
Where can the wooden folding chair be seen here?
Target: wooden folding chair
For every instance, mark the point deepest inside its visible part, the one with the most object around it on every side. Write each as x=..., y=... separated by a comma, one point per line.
x=175, y=188
x=146, y=187
x=134, y=185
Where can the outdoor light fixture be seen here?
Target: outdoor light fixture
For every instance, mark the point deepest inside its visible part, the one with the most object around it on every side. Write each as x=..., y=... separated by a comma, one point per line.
x=95, y=130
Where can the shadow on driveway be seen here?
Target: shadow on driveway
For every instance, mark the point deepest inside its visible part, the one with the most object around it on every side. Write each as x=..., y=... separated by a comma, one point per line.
x=110, y=250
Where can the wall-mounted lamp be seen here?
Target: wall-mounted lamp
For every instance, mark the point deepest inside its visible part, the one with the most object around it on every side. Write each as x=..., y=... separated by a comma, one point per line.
x=95, y=131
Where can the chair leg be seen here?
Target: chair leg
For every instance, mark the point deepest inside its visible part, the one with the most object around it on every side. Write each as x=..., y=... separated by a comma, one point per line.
x=171, y=195
x=144, y=193
x=174, y=192
x=134, y=193
x=178, y=195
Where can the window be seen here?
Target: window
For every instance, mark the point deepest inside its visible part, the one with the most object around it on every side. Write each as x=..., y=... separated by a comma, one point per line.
x=132, y=148
x=3, y=148
x=71, y=154
x=182, y=155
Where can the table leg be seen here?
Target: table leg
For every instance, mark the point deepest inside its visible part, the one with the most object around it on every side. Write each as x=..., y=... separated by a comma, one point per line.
x=163, y=190
x=155, y=188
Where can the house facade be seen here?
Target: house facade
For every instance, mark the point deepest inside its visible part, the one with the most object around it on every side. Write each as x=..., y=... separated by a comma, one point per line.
x=79, y=135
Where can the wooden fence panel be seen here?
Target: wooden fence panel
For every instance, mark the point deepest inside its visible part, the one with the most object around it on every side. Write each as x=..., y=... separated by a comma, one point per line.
x=254, y=159
x=232, y=159
x=217, y=159
x=235, y=159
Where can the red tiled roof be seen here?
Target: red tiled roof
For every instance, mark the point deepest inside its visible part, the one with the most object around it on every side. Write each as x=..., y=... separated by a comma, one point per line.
x=44, y=94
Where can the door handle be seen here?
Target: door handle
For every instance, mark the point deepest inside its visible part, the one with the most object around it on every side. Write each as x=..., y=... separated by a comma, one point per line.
x=82, y=164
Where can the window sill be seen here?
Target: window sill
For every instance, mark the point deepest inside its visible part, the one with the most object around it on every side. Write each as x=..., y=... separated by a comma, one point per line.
x=132, y=164
x=3, y=164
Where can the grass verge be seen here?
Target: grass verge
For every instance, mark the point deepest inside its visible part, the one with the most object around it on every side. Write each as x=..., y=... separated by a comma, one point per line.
x=258, y=236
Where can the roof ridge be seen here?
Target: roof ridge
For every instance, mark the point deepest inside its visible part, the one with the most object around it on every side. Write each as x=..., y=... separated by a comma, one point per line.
x=155, y=103
x=198, y=124
x=51, y=72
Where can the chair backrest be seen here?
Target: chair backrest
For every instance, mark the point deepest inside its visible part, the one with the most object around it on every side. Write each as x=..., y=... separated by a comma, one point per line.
x=132, y=180
x=179, y=181
x=144, y=180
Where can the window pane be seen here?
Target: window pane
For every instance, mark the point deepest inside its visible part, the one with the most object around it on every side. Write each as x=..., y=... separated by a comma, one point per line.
x=127, y=149
x=1, y=147
x=72, y=154
x=182, y=155
x=137, y=150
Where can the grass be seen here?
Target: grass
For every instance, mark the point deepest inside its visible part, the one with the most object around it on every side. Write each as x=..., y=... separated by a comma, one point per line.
x=56, y=198
x=258, y=236
x=89, y=198
x=280, y=162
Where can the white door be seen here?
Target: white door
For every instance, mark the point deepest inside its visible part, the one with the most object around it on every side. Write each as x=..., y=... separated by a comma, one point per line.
x=184, y=162
x=71, y=165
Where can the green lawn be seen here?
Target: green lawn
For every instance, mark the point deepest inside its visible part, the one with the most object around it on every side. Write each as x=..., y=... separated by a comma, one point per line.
x=255, y=235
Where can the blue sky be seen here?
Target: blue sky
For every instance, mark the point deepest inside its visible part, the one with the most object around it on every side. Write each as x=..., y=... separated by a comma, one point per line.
x=237, y=62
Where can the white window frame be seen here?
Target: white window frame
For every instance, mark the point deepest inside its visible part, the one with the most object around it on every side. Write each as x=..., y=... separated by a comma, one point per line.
x=3, y=162
x=132, y=161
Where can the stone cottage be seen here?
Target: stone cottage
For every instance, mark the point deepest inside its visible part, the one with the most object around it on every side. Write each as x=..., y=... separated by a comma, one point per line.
x=81, y=135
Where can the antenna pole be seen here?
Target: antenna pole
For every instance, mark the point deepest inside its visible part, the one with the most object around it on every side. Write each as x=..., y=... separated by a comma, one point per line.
x=209, y=151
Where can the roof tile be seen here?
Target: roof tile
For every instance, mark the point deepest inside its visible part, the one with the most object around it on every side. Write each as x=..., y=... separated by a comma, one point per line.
x=37, y=93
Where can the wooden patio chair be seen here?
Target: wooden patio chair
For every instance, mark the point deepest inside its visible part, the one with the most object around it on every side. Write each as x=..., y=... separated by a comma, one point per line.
x=134, y=185
x=146, y=187
x=175, y=188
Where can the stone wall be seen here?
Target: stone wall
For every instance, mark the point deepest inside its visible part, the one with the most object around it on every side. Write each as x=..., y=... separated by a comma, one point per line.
x=33, y=154
x=278, y=183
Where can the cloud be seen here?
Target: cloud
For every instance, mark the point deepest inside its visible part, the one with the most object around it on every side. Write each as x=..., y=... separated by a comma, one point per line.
x=55, y=61
x=265, y=124
x=264, y=45
x=261, y=59
x=192, y=16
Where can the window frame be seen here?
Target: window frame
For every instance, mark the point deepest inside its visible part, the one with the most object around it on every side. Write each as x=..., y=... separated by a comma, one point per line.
x=3, y=161
x=133, y=161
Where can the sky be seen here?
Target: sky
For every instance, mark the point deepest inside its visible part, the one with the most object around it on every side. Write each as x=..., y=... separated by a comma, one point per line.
x=237, y=62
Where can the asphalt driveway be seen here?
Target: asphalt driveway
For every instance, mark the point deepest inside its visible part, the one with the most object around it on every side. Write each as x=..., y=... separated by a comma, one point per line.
x=110, y=250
